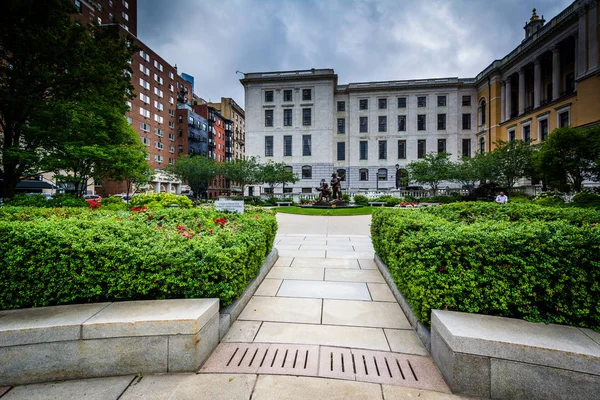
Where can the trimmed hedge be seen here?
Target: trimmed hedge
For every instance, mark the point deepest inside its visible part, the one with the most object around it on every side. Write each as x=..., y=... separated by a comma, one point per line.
x=524, y=261
x=66, y=256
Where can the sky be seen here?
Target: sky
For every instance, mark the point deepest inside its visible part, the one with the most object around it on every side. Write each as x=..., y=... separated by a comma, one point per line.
x=362, y=40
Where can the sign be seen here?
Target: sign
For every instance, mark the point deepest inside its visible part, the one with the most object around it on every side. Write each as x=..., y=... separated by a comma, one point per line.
x=230, y=205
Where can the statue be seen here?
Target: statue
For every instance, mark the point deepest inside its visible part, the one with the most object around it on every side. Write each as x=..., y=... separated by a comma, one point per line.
x=336, y=188
x=324, y=193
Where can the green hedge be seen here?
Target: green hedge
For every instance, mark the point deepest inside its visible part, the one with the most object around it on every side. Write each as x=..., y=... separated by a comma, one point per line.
x=523, y=261
x=65, y=256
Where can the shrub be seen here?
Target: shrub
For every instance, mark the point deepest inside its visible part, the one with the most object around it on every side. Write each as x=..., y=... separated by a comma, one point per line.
x=444, y=199
x=361, y=200
x=549, y=199
x=65, y=256
x=390, y=201
x=346, y=197
x=586, y=199
x=38, y=200
x=114, y=204
x=522, y=260
x=160, y=200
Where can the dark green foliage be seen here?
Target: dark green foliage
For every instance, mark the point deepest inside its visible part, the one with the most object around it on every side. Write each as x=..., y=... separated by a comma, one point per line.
x=390, y=201
x=65, y=256
x=160, y=200
x=525, y=261
x=38, y=200
x=361, y=200
x=346, y=197
x=444, y=199
x=586, y=199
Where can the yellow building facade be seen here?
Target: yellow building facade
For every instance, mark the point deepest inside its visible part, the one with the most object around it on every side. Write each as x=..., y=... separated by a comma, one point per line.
x=551, y=80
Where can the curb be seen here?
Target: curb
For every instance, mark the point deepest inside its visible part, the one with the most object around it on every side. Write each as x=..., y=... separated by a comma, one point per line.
x=422, y=332
x=231, y=313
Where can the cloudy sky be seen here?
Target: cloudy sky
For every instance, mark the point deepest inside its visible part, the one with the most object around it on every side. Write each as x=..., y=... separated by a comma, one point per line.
x=363, y=40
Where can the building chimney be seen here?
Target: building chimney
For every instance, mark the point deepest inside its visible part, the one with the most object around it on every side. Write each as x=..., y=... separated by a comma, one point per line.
x=535, y=24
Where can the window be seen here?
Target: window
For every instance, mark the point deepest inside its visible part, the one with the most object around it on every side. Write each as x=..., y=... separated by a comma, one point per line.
x=382, y=104
x=382, y=174
x=466, y=148
x=144, y=112
x=341, y=151
x=306, y=145
x=441, y=122
x=306, y=116
x=268, y=96
x=382, y=123
x=421, y=148
x=364, y=150
x=144, y=84
x=158, y=145
x=171, y=149
x=363, y=104
x=145, y=99
x=158, y=105
x=306, y=94
x=342, y=174
x=171, y=112
x=158, y=65
x=364, y=124
x=482, y=109
x=145, y=55
x=422, y=101
x=171, y=88
x=287, y=117
x=306, y=172
x=421, y=125
x=527, y=133
x=172, y=137
x=158, y=159
x=180, y=148
x=441, y=145
x=146, y=141
x=130, y=120
x=158, y=79
x=306, y=190
x=268, y=146
x=145, y=70
x=159, y=132
x=512, y=135
x=441, y=101
x=171, y=76
x=341, y=106
x=158, y=92
x=402, y=149
x=268, y=118
x=287, y=146
x=401, y=123
x=364, y=174
x=466, y=101
x=466, y=121
x=171, y=100
x=78, y=6
x=543, y=129
x=287, y=95
x=341, y=124
x=158, y=118
x=401, y=102
x=125, y=4
x=563, y=119
x=383, y=149
x=171, y=124
x=145, y=127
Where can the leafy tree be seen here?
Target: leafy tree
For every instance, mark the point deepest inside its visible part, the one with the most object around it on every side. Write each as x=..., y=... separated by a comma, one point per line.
x=433, y=169
x=275, y=174
x=568, y=157
x=198, y=171
x=465, y=171
x=509, y=162
x=243, y=171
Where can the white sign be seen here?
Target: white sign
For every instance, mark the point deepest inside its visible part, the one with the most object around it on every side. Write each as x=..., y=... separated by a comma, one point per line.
x=230, y=205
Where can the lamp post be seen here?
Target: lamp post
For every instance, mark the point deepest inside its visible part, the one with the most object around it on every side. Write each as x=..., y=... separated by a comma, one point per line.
x=397, y=169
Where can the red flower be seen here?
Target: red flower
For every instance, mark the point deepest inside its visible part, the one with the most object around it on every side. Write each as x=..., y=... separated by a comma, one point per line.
x=94, y=204
x=221, y=221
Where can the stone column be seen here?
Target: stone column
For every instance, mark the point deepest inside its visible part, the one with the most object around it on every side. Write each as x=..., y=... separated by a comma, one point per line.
x=555, y=72
x=581, y=55
x=169, y=187
x=178, y=188
x=593, y=36
x=157, y=187
x=576, y=67
x=508, y=99
x=521, y=91
x=503, y=102
x=537, y=83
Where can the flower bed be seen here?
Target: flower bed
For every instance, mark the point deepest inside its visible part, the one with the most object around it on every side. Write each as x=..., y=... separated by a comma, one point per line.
x=78, y=255
x=525, y=261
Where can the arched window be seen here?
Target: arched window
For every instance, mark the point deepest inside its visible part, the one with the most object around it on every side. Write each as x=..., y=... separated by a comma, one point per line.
x=382, y=174
x=307, y=172
x=402, y=178
x=288, y=168
x=482, y=145
x=342, y=174
x=482, y=111
x=364, y=174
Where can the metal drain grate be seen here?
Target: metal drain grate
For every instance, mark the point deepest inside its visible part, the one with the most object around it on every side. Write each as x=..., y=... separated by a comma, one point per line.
x=257, y=358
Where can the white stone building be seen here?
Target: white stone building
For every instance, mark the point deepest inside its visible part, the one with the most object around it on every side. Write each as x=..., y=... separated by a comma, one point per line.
x=366, y=131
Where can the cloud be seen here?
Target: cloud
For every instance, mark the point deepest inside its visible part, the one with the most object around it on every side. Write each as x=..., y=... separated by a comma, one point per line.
x=363, y=40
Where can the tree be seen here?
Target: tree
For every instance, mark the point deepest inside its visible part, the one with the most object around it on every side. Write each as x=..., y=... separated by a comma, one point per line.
x=51, y=68
x=274, y=174
x=465, y=171
x=433, y=169
x=243, y=171
x=510, y=161
x=198, y=171
x=568, y=157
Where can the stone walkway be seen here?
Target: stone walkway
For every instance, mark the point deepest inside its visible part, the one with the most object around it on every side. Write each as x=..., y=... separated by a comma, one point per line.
x=323, y=325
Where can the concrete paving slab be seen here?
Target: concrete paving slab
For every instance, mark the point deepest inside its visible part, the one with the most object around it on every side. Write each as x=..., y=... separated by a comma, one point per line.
x=89, y=389
x=358, y=225
x=364, y=313
x=269, y=387
x=328, y=335
x=367, y=264
x=348, y=275
x=3, y=390
x=333, y=247
x=360, y=239
x=283, y=262
x=363, y=247
x=403, y=393
x=268, y=287
x=325, y=263
x=324, y=290
x=282, y=309
x=194, y=387
x=381, y=292
x=309, y=274
x=288, y=246
x=356, y=254
x=595, y=336
x=302, y=253
x=242, y=331
x=405, y=341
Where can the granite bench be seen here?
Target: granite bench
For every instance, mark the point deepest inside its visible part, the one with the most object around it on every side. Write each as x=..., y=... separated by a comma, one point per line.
x=284, y=203
x=377, y=203
x=105, y=339
x=505, y=358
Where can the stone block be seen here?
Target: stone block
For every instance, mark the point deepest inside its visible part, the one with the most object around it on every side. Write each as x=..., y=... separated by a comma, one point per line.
x=90, y=389
x=516, y=381
x=45, y=324
x=188, y=352
x=152, y=317
x=224, y=325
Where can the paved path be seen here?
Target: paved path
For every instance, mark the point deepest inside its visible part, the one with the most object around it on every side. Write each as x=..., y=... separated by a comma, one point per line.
x=323, y=325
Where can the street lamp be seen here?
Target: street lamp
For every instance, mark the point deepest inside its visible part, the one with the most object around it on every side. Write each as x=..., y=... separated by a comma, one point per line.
x=397, y=169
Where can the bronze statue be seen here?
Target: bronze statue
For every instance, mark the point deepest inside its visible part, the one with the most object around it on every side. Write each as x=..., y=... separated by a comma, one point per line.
x=336, y=187
x=324, y=193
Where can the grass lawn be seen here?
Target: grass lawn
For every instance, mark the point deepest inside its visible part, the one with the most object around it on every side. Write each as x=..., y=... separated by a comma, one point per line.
x=322, y=211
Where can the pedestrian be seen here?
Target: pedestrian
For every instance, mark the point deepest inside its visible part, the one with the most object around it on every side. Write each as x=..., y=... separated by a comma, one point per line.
x=501, y=198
